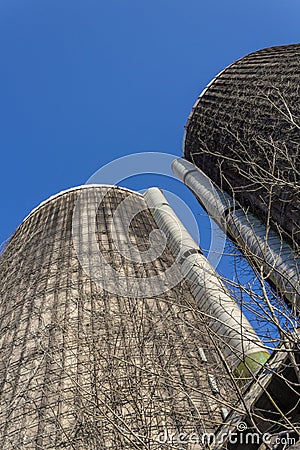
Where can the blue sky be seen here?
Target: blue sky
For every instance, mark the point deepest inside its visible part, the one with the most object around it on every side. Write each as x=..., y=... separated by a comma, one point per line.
x=85, y=82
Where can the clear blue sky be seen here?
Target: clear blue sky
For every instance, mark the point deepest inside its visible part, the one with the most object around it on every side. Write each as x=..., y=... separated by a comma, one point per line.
x=85, y=82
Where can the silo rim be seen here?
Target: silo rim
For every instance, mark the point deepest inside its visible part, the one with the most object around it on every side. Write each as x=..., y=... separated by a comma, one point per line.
x=77, y=188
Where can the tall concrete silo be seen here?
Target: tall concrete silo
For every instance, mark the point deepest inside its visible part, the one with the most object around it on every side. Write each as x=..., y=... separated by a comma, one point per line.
x=89, y=358
x=243, y=136
x=244, y=133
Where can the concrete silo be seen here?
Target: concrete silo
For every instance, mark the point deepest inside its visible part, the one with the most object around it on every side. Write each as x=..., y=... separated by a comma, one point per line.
x=244, y=133
x=243, y=137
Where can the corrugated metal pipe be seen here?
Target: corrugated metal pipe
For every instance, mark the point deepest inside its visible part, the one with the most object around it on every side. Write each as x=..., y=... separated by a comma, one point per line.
x=263, y=249
x=240, y=345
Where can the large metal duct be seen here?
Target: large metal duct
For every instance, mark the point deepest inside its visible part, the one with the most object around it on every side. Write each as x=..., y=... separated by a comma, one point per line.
x=244, y=133
x=239, y=343
x=262, y=248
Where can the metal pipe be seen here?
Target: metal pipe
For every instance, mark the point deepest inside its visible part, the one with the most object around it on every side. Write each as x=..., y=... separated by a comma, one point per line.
x=240, y=344
x=264, y=249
